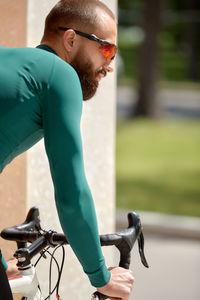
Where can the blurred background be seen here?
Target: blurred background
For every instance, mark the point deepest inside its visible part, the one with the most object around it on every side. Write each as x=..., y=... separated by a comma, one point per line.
x=158, y=133
x=158, y=140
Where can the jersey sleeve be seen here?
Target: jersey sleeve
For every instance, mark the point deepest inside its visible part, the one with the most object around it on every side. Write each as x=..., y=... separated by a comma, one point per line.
x=3, y=261
x=62, y=109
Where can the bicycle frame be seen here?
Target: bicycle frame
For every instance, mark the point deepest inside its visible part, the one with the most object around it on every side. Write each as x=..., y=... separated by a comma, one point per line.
x=27, y=284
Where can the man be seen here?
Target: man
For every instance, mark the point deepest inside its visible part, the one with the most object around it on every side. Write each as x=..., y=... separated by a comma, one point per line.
x=41, y=96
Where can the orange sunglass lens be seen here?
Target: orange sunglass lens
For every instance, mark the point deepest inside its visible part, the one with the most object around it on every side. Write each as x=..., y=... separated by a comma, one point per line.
x=108, y=51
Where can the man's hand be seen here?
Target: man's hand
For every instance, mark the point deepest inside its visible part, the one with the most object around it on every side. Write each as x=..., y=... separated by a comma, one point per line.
x=120, y=284
x=12, y=267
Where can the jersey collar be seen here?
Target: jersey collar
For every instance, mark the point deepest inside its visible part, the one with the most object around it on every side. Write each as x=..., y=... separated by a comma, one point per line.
x=47, y=48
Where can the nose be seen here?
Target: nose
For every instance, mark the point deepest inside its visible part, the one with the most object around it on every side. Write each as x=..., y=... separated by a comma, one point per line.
x=109, y=66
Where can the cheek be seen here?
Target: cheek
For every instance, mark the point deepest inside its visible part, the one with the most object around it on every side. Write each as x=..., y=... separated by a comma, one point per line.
x=95, y=67
x=97, y=60
x=90, y=60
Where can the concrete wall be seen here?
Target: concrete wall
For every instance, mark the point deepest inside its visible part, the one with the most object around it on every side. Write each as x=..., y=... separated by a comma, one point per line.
x=13, y=179
x=98, y=128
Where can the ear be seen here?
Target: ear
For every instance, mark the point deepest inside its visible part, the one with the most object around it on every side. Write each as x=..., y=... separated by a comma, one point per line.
x=69, y=39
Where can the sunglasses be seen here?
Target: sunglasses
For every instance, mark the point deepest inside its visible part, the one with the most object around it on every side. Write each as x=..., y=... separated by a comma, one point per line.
x=107, y=49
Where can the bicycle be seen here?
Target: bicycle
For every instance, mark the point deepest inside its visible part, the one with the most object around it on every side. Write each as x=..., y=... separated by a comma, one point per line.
x=32, y=239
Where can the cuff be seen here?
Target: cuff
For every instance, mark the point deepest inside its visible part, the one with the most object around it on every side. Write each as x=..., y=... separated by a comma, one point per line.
x=99, y=278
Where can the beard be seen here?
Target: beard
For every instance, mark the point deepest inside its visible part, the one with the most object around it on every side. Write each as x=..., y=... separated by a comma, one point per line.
x=88, y=82
x=87, y=76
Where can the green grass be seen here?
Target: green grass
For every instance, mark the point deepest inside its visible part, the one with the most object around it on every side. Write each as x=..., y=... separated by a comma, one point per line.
x=158, y=166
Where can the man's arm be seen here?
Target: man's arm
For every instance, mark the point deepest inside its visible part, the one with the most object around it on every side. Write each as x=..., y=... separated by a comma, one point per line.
x=3, y=261
x=62, y=109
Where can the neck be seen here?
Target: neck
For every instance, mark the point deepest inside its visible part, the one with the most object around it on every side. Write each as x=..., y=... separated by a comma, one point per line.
x=59, y=50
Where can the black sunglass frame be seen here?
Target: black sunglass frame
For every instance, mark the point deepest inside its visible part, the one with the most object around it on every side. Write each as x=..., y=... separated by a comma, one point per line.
x=91, y=37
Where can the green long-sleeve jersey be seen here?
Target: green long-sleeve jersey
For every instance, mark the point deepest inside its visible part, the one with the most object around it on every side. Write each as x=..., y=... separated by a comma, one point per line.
x=41, y=96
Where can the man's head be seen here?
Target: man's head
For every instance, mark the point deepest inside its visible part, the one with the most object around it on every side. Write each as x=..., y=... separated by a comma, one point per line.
x=83, y=33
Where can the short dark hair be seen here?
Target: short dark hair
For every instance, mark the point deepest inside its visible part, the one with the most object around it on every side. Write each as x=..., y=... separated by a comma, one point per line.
x=76, y=14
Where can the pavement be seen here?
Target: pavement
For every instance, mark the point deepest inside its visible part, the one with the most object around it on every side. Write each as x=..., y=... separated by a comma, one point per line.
x=170, y=102
x=172, y=249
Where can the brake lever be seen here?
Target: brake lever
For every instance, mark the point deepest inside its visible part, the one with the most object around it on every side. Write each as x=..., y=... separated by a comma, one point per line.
x=141, y=249
x=125, y=248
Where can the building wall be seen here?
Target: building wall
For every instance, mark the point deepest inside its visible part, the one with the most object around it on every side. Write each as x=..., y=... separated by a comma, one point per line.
x=13, y=179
